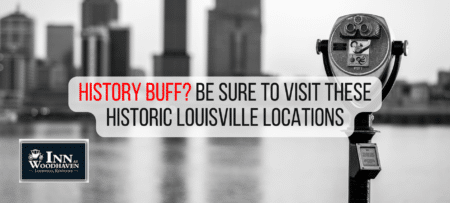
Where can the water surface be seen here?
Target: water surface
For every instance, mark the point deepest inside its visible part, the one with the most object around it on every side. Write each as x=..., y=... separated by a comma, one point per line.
x=414, y=159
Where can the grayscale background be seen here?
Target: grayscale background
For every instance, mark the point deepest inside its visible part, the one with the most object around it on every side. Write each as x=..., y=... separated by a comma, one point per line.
x=45, y=43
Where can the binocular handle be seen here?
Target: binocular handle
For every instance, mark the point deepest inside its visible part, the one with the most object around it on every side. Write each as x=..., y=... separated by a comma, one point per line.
x=322, y=46
x=399, y=48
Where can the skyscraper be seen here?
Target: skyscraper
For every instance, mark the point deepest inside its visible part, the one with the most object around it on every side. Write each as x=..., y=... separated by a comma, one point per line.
x=16, y=57
x=43, y=75
x=234, y=38
x=12, y=80
x=95, y=51
x=119, y=51
x=60, y=55
x=174, y=61
x=99, y=12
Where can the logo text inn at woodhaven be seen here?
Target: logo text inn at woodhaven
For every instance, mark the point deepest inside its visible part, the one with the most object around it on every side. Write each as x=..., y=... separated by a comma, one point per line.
x=54, y=160
x=61, y=161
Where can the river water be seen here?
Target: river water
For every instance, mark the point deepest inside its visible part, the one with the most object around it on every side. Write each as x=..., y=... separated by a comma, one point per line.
x=414, y=159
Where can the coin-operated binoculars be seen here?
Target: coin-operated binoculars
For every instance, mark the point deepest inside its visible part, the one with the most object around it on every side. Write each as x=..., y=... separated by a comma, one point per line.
x=361, y=45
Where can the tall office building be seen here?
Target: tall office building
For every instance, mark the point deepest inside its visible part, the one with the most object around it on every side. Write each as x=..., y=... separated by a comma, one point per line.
x=99, y=12
x=95, y=51
x=12, y=71
x=119, y=51
x=60, y=55
x=16, y=57
x=234, y=38
x=12, y=80
x=106, y=47
x=174, y=61
x=43, y=75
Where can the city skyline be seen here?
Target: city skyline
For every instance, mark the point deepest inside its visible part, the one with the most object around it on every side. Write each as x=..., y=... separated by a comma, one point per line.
x=281, y=23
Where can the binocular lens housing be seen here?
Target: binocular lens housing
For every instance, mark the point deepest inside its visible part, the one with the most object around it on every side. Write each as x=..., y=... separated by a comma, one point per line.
x=365, y=28
x=360, y=26
x=350, y=28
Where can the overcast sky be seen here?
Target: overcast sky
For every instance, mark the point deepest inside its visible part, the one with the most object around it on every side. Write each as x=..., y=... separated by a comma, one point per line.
x=290, y=30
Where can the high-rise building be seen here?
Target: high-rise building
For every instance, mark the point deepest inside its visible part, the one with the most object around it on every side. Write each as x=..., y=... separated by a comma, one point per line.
x=234, y=38
x=16, y=57
x=12, y=71
x=119, y=51
x=12, y=79
x=95, y=51
x=106, y=51
x=105, y=46
x=174, y=61
x=60, y=55
x=17, y=34
x=99, y=12
x=43, y=75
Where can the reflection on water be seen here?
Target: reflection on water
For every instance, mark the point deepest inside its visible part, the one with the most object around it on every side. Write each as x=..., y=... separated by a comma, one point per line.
x=263, y=170
x=233, y=174
x=174, y=187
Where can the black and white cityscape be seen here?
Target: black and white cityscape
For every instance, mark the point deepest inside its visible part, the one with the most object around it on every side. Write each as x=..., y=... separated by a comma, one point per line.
x=413, y=121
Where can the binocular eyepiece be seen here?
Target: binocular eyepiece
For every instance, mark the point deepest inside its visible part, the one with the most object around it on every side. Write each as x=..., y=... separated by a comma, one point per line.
x=360, y=27
x=362, y=45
